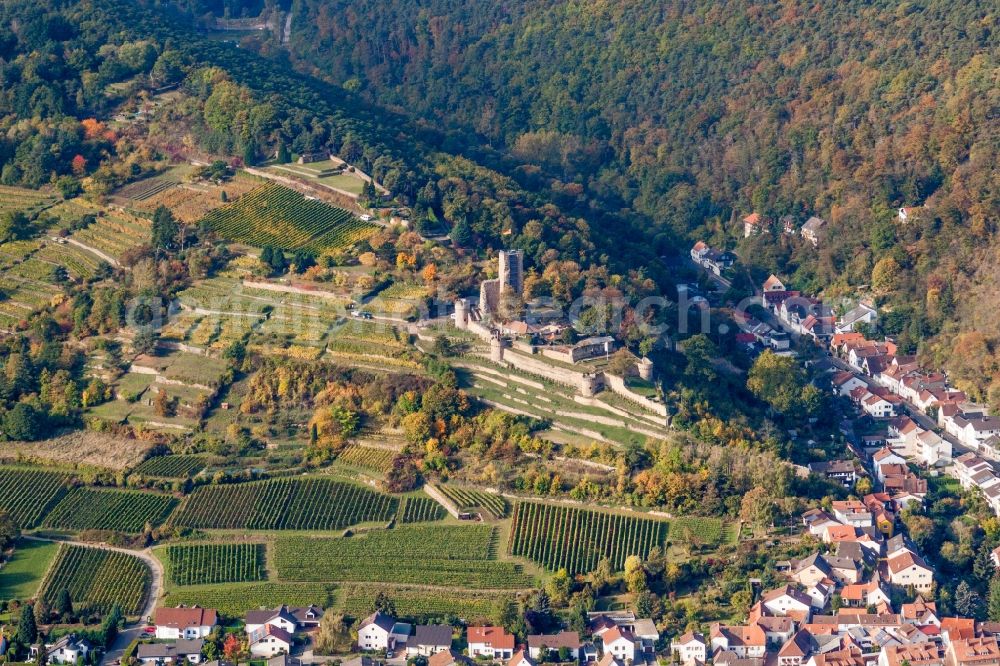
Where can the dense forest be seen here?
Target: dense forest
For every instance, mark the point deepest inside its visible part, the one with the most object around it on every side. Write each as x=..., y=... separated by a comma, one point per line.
x=683, y=117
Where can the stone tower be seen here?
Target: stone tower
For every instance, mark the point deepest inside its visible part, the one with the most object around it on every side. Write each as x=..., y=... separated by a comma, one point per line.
x=496, y=349
x=462, y=314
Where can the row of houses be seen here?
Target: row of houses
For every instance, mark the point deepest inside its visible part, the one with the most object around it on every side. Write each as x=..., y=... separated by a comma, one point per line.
x=812, y=230
x=716, y=261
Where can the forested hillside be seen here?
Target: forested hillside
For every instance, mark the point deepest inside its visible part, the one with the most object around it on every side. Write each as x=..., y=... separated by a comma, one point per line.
x=694, y=113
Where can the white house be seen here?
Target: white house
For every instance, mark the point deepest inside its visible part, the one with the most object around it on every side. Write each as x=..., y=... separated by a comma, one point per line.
x=690, y=648
x=907, y=569
x=621, y=643
x=279, y=617
x=375, y=632
x=67, y=650
x=491, y=642
x=554, y=643
x=785, y=600
x=187, y=623
x=157, y=654
x=429, y=639
x=743, y=641
x=521, y=659
x=269, y=641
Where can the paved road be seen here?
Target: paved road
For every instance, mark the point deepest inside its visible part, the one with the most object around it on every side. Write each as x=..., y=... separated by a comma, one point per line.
x=132, y=631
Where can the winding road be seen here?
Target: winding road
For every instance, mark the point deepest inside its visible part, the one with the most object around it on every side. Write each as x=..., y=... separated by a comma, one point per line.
x=133, y=630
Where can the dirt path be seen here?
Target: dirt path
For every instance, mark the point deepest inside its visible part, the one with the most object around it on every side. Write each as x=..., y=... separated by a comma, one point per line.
x=108, y=258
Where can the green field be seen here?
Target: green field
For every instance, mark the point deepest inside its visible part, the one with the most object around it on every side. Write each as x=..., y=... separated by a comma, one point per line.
x=448, y=556
x=282, y=218
x=368, y=457
x=236, y=599
x=205, y=564
x=22, y=575
x=285, y=504
x=27, y=494
x=102, y=509
x=97, y=579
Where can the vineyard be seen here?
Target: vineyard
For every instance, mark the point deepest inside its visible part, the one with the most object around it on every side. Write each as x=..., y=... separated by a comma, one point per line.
x=235, y=600
x=189, y=202
x=141, y=190
x=420, y=509
x=79, y=263
x=285, y=504
x=563, y=537
x=216, y=563
x=171, y=467
x=97, y=579
x=283, y=218
x=118, y=510
x=467, y=499
x=368, y=457
x=27, y=494
x=18, y=199
x=357, y=600
x=114, y=232
x=442, y=556
x=697, y=530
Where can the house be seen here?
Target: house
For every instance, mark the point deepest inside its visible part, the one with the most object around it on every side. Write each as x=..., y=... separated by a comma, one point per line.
x=840, y=471
x=772, y=283
x=863, y=595
x=188, y=623
x=820, y=594
x=817, y=521
x=269, y=641
x=447, y=658
x=907, y=569
x=787, y=225
x=860, y=314
x=852, y=512
x=753, y=224
x=521, y=659
x=698, y=251
x=570, y=640
x=280, y=617
x=907, y=213
x=743, y=641
x=973, y=652
x=967, y=466
x=787, y=600
x=492, y=642
x=690, y=648
x=429, y=639
x=621, y=643
x=845, y=382
x=375, y=632
x=924, y=653
x=795, y=651
x=812, y=229
x=68, y=650
x=921, y=613
x=159, y=654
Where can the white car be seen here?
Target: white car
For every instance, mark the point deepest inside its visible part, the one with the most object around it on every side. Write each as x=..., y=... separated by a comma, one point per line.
x=366, y=218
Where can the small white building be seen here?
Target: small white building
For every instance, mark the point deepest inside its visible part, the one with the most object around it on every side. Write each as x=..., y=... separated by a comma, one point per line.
x=691, y=648
x=375, y=632
x=187, y=623
x=269, y=641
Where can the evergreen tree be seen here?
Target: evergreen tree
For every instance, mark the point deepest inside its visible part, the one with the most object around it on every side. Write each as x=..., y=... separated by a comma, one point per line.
x=249, y=153
x=65, y=604
x=982, y=566
x=164, y=228
x=27, y=629
x=267, y=254
x=278, y=263
x=967, y=601
x=283, y=156
x=461, y=233
x=384, y=604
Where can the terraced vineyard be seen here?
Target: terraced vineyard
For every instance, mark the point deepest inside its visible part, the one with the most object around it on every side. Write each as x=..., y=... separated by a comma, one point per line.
x=19, y=199
x=368, y=457
x=100, y=509
x=446, y=556
x=97, y=579
x=420, y=509
x=171, y=467
x=216, y=563
x=114, y=232
x=79, y=263
x=577, y=539
x=236, y=599
x=189, y=202
x=467, y=499
x=277, y=216
x=147, y=188
x=473, y=607
x=27, y=494
x=285, y=504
